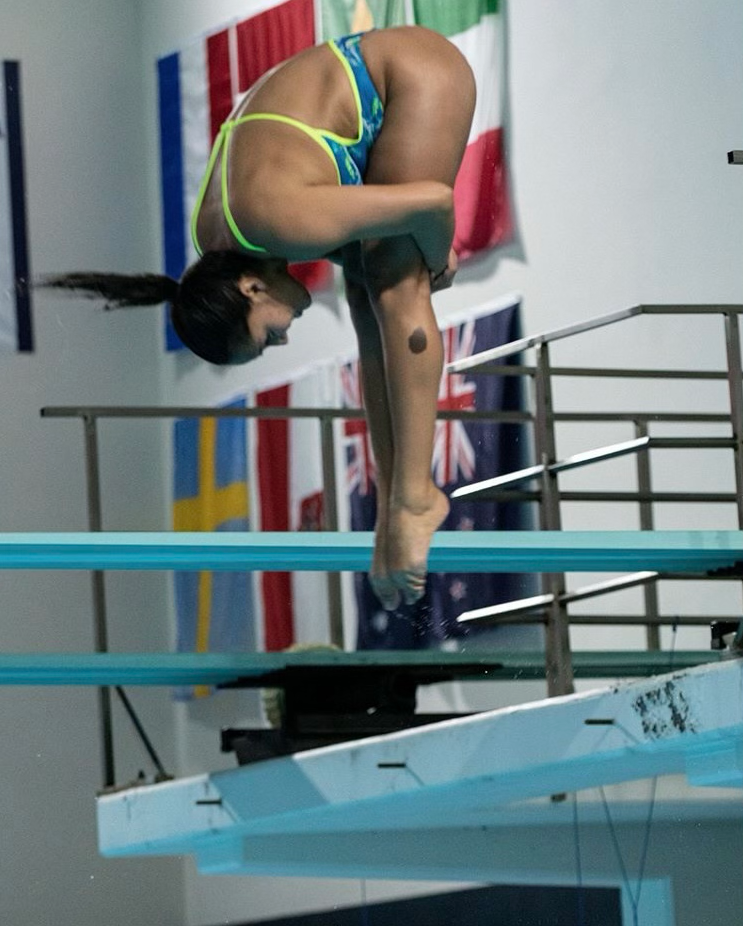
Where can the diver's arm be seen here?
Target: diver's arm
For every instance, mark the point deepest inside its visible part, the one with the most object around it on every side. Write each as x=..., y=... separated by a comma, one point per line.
x=313, y=221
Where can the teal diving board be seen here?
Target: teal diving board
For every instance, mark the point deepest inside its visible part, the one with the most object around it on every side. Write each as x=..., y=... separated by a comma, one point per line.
x=156, y=669
x=318, y=551
x=403, y=804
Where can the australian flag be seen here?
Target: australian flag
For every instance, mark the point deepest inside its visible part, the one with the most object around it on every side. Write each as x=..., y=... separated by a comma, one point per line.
x=464, y=452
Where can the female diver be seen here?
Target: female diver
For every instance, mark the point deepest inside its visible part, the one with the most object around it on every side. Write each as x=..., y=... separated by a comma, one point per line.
x=348, y=150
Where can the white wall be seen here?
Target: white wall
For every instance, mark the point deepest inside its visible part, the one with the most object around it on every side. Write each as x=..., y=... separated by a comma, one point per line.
x=619, y=119
x=82, y=87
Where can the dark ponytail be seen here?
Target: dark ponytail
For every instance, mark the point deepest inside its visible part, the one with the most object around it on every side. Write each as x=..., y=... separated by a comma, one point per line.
x=120, y=290
x=207, y=309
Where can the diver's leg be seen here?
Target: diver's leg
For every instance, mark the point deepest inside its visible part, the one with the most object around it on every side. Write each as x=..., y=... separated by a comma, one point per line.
x=427, y=118
x=413, y=357
x=373, y=384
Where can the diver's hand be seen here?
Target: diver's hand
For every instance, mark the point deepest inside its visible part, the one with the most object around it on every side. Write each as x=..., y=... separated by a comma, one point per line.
x=444, y=278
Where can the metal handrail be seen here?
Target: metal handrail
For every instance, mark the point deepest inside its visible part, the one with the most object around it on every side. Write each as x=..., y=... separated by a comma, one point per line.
x=536, y=495
x=558, y=656
x=578, y=460
x=522, y=344
x=589, y=457
x=613, y=620
x=519, y=369
x=539, y=602
x=472, y=363
x=207, y=411
x=547, y=467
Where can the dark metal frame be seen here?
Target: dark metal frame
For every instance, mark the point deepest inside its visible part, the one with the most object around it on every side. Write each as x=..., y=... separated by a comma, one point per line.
x=554, y=606
x=555, y=609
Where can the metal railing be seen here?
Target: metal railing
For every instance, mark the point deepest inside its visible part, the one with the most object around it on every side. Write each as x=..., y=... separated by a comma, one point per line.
x=552, y=607
x=90, y=416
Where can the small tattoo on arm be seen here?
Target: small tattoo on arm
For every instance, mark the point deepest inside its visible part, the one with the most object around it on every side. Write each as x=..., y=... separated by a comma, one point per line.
x=417, y=342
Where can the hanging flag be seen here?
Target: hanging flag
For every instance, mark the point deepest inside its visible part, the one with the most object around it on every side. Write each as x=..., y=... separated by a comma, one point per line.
x=481, y=199
x=197, y=88
x=214, y=610
x=344, y=17
x=16, y=332
x=464, y=452
x=290, y=498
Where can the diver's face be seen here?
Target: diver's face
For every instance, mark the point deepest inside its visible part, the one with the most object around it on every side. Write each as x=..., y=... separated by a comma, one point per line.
x=285, y=288
x=275, y=301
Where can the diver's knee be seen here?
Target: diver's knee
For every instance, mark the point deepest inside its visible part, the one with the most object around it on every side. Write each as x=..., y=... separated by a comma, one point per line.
x=390, y=263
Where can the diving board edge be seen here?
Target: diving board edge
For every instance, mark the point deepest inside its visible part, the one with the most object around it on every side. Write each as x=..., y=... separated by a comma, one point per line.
x=454, y=773
x=451, y=551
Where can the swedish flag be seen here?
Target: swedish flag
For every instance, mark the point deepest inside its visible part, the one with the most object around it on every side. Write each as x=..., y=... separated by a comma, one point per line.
x=214, y=610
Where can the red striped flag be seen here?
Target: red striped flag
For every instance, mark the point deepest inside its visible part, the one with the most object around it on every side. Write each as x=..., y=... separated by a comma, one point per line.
x=273, y=488
x=290, y=498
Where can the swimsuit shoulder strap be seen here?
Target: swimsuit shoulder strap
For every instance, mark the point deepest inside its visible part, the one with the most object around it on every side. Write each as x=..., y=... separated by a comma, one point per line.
x=216, y=148
x=221, y=143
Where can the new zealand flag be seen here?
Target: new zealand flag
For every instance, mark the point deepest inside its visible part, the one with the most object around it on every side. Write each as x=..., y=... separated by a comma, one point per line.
x=463, y=453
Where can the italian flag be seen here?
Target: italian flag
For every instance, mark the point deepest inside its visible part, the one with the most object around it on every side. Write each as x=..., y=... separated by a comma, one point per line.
x=481, y=199
x=344, y=17
x=476, y=27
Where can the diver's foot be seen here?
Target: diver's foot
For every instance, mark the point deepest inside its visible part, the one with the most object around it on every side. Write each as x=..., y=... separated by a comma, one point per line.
x=409, y=535
x=379, y=579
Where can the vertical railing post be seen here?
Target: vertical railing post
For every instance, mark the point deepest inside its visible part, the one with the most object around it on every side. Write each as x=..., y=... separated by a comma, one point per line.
x=644, y=486
x=559, y=669
x=735, y=385
x=330, y=523
x=100, y=630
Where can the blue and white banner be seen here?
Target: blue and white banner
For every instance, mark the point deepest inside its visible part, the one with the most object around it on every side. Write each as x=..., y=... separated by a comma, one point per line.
x=16, y=332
